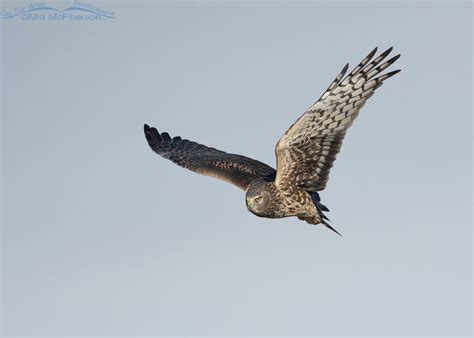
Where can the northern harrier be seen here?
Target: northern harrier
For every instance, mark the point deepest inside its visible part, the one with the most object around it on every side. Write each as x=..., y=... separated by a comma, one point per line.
x=304, y=155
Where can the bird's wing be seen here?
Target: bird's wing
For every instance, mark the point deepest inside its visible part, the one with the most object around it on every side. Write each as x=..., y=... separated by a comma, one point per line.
x=306, y=152
x=236, y=169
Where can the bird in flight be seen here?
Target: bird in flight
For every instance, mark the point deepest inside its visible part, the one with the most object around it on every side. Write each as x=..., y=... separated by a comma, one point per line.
x=304, y=154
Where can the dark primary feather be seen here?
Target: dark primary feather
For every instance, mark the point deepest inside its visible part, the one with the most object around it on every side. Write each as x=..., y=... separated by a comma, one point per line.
x=236, y=169
x=307, y=151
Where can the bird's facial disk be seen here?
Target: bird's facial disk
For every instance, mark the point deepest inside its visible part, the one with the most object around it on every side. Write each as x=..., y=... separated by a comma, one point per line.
x=257, y=203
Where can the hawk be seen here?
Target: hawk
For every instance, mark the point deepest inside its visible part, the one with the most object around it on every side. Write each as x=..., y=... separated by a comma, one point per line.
x=304, y=154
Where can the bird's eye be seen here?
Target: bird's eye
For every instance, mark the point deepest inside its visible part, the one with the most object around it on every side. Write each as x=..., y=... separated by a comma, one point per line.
x=258, y=199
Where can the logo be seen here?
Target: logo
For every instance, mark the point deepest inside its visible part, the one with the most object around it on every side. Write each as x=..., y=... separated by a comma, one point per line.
x=42, y=11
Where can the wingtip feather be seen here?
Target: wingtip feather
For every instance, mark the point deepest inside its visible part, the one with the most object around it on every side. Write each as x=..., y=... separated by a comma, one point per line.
x=327, y=225
x=372, y=53
x=346, y=67
x=388, y=75
x=388, y=51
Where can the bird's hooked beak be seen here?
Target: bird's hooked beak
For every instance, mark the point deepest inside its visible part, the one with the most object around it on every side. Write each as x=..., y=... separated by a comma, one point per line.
x=248, y=202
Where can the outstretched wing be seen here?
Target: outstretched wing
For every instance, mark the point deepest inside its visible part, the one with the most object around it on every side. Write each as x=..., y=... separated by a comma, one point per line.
x=306, y=152
x=236, y=169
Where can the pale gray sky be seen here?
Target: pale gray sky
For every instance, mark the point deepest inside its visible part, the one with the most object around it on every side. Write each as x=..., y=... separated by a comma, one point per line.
x=102, y=237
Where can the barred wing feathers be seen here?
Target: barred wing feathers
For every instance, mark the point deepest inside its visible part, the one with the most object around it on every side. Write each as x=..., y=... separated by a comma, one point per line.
x=307, y=151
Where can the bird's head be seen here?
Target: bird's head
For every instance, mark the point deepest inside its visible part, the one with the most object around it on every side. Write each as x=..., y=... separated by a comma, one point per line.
x=260, y=198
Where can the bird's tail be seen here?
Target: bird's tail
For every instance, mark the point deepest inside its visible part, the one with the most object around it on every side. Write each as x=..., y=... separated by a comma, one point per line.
x=320, y=208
